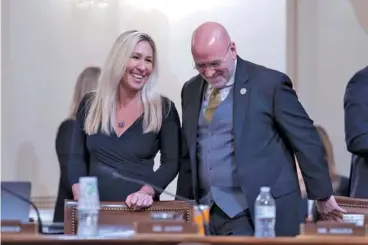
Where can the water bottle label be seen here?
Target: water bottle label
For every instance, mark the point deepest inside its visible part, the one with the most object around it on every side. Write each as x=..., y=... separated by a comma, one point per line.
x=265, y=212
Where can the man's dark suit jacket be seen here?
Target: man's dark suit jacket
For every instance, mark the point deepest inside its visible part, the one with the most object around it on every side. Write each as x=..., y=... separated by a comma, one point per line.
x=270, y=126
x=356, y=131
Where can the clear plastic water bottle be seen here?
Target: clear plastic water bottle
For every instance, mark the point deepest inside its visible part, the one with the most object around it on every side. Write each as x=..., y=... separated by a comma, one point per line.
x=87, y=223
x=88, y=207
x=265, y=214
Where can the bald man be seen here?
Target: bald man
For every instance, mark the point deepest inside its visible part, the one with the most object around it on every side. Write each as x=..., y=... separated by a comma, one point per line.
x=242, y=125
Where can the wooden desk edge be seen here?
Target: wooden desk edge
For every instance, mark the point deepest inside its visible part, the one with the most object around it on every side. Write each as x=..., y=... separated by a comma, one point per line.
x=199, y=239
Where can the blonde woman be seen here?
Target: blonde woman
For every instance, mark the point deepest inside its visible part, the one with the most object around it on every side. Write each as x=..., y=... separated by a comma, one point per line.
x=87, y=82
x=121, y=127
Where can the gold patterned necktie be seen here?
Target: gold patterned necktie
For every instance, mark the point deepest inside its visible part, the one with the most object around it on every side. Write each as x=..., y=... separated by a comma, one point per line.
x=213, y=102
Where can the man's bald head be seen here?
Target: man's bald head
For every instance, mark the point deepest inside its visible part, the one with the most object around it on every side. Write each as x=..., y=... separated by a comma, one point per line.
x=210, y=35
x=214, y=53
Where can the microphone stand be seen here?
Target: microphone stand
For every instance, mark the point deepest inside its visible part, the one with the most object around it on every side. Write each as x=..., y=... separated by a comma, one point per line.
x=39, y=221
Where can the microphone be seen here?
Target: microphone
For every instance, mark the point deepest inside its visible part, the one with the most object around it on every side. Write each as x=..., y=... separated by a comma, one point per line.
x=159, y=189
x=39, y=221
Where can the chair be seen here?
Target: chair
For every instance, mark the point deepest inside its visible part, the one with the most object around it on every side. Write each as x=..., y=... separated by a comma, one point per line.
x=354, y=205
x=117, y=213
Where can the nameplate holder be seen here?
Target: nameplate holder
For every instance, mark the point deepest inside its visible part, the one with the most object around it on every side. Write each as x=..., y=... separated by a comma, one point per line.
x=329, y=228
x=17, y=227
x=165, y=227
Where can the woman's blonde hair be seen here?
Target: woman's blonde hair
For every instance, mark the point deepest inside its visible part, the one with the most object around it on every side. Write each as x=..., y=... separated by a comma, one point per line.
x=329, y=155
x=103, y=105
x=86, y=82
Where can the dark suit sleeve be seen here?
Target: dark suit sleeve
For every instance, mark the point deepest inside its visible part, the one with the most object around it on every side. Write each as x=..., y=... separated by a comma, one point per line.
x=170, y=141
x=356, y=114
x=79, y=155
x=299, y=130
x=184, y=185
x=62, y=145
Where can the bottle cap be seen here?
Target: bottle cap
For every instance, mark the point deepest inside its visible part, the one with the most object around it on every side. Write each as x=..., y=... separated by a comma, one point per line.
x=265, y=189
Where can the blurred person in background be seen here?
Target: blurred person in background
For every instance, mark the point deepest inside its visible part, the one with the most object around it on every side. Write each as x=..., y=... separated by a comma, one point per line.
x=87, y=82
x=340, y=184
x=122, y=126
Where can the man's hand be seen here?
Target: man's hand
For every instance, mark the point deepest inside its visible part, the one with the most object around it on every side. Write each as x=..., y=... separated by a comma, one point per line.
x=330, y=210
x=141, y=199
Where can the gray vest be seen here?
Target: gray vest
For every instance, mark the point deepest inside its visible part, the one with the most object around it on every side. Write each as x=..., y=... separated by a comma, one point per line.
x=217, y=171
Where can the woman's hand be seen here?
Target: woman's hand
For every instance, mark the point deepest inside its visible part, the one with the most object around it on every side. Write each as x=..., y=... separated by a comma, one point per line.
x=141, y=199
x=75, y=190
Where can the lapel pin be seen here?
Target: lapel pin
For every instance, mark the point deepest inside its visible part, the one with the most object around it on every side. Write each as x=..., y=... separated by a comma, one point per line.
x=243, y=91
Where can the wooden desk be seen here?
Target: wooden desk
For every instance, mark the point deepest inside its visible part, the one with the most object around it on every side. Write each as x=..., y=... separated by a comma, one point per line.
x=184, y=239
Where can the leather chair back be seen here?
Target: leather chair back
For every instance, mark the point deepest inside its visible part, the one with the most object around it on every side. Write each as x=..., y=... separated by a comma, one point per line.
x=354, y=206
x=117, y=213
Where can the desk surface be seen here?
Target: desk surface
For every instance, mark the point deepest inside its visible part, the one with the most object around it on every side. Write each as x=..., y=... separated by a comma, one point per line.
x=183, y=239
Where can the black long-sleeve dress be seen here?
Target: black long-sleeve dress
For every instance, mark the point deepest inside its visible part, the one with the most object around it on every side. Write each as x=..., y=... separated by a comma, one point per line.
x=132, y=154
x=62, y=145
